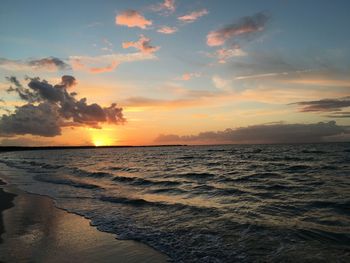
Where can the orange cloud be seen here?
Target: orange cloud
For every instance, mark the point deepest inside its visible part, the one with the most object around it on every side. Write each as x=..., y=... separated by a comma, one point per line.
x=81, y=63
x=191, y=99
x=143, y=45
x=144, y=102
x=106, y=63
x=132, y=18
x=108, y=68
x=191, y=17
x=167, y=30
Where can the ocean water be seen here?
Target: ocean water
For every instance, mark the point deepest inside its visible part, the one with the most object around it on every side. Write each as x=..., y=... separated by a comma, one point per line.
x=233, y=203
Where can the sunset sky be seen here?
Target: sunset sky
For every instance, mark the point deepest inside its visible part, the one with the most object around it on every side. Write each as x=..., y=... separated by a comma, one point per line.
x=179, y=71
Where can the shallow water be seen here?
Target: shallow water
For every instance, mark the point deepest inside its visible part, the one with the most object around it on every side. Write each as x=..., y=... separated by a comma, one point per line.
x=230, y=203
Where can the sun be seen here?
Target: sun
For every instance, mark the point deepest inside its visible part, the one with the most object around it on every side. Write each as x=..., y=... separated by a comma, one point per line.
x=100, y=142
x=101, y=139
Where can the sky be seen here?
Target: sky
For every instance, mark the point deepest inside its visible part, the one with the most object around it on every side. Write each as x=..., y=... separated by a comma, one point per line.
x=174, y=71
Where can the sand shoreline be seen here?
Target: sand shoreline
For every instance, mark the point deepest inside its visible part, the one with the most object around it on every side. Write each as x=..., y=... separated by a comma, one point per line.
x=34, y=230
x=6, y=202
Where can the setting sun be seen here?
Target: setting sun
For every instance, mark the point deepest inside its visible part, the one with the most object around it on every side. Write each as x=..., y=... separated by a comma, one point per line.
x=102, y=138
x=101, y=142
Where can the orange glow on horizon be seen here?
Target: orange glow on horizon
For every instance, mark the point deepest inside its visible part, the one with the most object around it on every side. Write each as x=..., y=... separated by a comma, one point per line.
x=101, y=142
x=102, y=137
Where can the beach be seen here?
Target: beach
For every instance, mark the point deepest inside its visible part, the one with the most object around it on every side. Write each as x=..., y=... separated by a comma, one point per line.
x=33, y=230
x=6, y=200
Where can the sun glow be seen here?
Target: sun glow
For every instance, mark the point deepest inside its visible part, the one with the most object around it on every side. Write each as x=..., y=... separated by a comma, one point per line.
x=102, y=138
x=101, y=142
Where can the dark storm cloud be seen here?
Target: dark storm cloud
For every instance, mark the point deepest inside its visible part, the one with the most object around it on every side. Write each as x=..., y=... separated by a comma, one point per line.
x=325, y=105
x=266, y=133
x=42, y=119
x=24, y=93
x=68, y=81
x=244, y=27
x=46, y=64
x=49, y=107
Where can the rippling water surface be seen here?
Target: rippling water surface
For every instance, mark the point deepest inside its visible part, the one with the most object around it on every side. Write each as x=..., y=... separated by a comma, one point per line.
x=205, y=203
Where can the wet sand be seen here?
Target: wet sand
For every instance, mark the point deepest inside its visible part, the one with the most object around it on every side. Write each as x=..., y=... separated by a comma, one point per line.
x=6, y=202
x=34, y=230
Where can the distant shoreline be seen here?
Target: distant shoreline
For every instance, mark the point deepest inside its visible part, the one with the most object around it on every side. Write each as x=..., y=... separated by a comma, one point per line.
x=40, y=148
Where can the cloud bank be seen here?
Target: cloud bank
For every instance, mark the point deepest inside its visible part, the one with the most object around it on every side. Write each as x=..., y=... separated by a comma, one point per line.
x=341, y=114
x=244, y=27
x=48, y=108
x=265, y=133
x=325, y=105
x=132, y=18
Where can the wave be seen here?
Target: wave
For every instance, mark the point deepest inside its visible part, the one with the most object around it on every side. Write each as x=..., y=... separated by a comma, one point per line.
x=175, y=191
x=123, y=169
x=216, y=150
x=256, y=151
x=298, y=168
x=289, y=158
x=280, y=187
x=205, y=189
x=324, y=236
x=329, y=167
x=144, y=182
x=313, y=151
x=194, y=176
x=341, y=206
x=81, y=172
x=189, y=157
x=65, y=181
x=43, y=165
x=139, y=202
x=249, y=178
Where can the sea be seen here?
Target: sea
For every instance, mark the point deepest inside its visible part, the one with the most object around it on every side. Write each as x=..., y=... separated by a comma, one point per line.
x=220, y=203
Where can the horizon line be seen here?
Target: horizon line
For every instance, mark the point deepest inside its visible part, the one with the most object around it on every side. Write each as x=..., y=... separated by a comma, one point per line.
x=61, y=147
